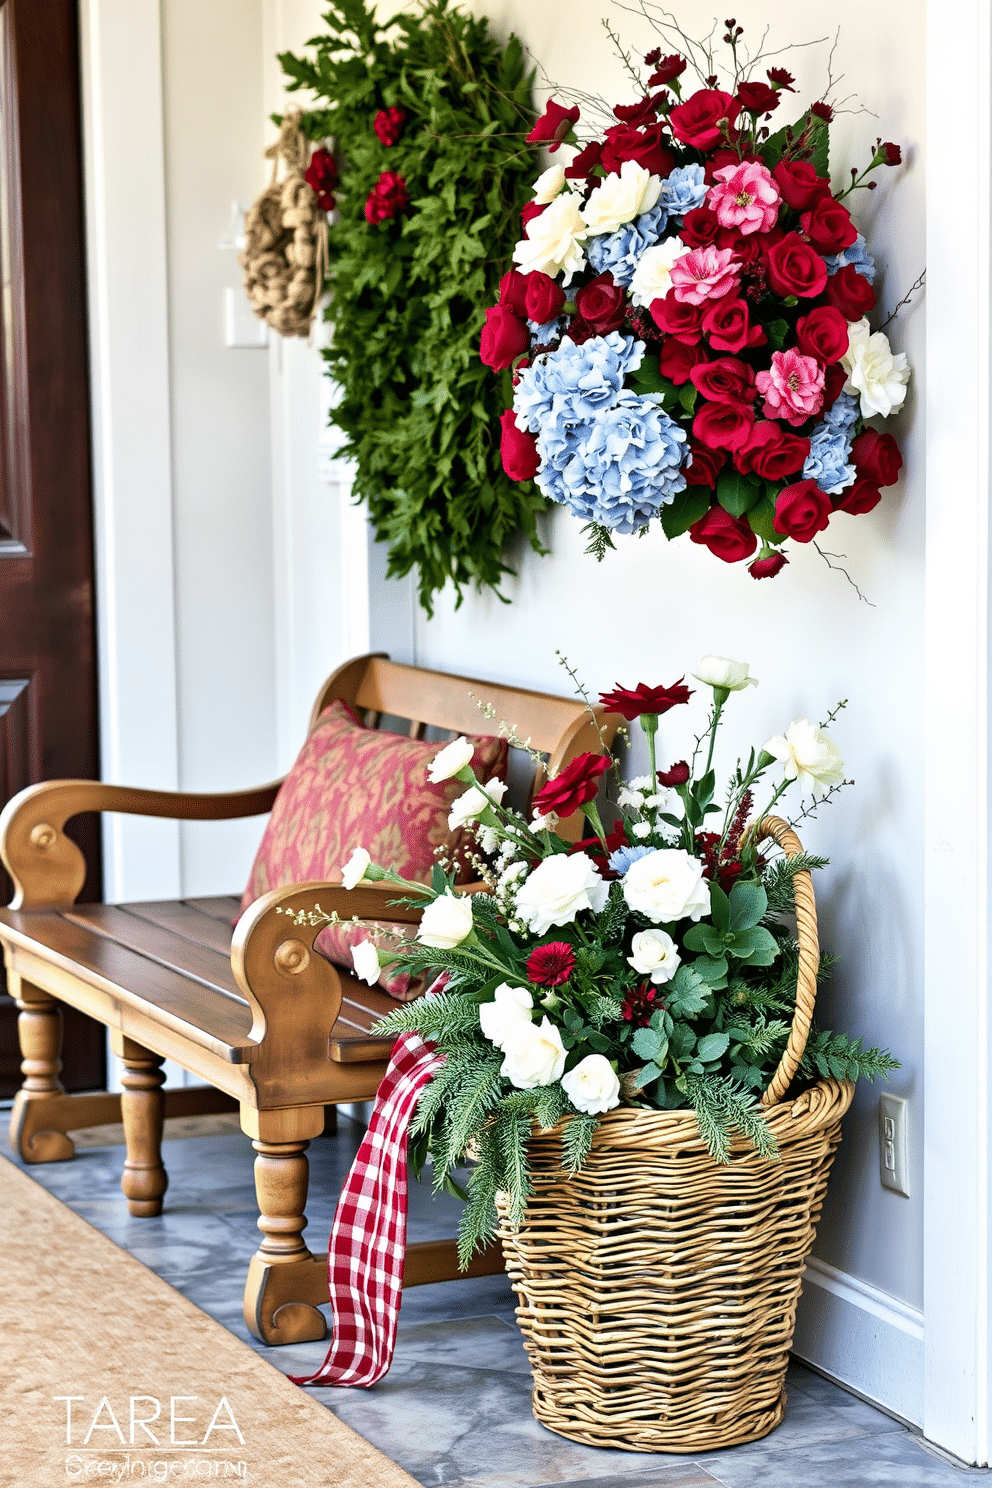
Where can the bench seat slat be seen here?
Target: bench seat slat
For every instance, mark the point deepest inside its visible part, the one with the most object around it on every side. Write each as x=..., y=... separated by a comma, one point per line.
x=185, y=917
x=201, y=963
x=220, y=906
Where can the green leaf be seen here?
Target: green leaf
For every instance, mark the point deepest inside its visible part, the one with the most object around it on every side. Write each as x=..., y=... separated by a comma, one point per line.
x=748, y=903
x=720, y=906
x=761, y=520
x=687, y=396
x=758, y=947
x=648, y=379
x=647, y=1043
x=686, y=993
x=737, y=493
x=712, y=1046
x=689, y=505
x=777, y=331
x=712, y=969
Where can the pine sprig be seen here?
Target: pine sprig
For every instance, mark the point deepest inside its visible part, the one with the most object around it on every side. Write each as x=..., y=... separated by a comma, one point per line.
x=576, y=1142
x=722, y=1105
x=842, y=1057
x=778, y=880
x=447, y=1014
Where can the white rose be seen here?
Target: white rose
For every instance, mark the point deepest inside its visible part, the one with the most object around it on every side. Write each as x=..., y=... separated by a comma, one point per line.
x=592, y=1086
x=548, y=184
x=809, y=755
x=533, y=1055
x=874, y=370
x=473, y=803
x=719, y=671
x=559, y=888
x=366, y=959
x=353, y=871
x=667, y=885
x=553, y=241
x=653, y=276
x=654, y=954
x=452, y=758
x=446, y=922
x=619, y=198
x=509, y=1010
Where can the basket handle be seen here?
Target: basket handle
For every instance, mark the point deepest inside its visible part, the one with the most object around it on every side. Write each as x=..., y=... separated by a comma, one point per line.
x=809, y=961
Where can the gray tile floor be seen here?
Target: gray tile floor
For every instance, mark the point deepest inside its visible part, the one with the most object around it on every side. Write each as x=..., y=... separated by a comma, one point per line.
x=455, y=1407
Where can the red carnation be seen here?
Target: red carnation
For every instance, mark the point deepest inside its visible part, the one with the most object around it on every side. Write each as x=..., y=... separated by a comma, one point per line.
x=727, y=324
x=668, y=68
x=677, y=775
x=553, y=125
x=640, y=1004
x=543, y=298
x=828, y=225
x=781, y=78
x=388, y=125
x=387, y=197
x=821, y=110
x=863, y=496
x=801, y=511
x=876, y=456
x=822, y=334
x=640, y=113
x=704, y=466
x=518, y=449
x=700, y=228
x=602, y=303
x=504, y=338
x=676, y=360
x=724, y=426
x=648, y=147
x=757, y=98
x=726, y=537
x=726, y=380
x=771, y=452
x=632, y=702
x=799, y=183
x=705, y=119
x=892, y=153
x=684, y=322
x=850, y=292
x=767, y=568
x=550, y=965
x=795, y=269
x=321, y=175
x=572, y=787
x=583, y=163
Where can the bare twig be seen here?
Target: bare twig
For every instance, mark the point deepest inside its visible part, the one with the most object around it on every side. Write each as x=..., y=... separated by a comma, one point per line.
x=841, y=569
x=918, y=283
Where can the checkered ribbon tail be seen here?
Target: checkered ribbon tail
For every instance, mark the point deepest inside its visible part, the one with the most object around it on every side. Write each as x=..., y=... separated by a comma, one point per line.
x=368, y=1241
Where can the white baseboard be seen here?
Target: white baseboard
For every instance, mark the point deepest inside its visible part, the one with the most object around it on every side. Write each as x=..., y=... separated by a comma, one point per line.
x=863, y=1337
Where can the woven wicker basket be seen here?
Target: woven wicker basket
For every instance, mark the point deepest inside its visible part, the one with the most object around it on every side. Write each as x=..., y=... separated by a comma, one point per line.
x=657, y=1288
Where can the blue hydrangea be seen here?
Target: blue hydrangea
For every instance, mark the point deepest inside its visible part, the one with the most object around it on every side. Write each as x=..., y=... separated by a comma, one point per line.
x=618, y=253
x=575, y=382
x=683, y=190
x=543, y=335
x=858, y=256
x=843, y=414
x=618, y=468
x=621, y=860
x=827, y=460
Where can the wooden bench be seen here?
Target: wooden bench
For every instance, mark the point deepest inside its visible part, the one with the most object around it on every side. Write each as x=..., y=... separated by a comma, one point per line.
x=271, y=1025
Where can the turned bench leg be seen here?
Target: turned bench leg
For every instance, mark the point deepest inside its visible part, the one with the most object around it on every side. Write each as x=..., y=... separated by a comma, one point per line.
x=285, y=1282
x=39, y=1029
x=143, y=1112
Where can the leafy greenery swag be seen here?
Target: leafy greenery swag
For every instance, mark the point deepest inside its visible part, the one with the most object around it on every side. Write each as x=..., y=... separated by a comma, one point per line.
x=417, y=405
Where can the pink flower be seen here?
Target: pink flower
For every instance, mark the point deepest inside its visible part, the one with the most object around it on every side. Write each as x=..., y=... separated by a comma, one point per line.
x=704, y=274
x=793, y=389
x=746, y=198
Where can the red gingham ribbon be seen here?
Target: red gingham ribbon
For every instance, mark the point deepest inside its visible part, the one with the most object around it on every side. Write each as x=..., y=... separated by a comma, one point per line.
x=368, y=1240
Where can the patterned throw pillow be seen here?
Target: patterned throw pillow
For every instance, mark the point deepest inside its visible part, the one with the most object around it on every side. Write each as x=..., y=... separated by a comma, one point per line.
x=357, y=787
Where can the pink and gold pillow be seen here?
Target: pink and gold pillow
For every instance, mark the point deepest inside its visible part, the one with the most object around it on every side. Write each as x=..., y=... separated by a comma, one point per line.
x=357, y=787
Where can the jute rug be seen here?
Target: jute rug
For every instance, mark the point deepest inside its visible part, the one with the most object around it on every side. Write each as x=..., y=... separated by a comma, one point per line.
x=159, y=1391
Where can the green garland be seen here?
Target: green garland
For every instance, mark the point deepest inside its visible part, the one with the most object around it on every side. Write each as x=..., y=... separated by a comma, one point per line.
x=419, y=409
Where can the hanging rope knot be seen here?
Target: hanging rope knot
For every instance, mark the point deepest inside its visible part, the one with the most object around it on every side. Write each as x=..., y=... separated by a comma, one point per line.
x=285, y=254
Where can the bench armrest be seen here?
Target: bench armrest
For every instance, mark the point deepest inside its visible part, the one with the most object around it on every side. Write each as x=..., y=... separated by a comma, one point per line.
x=47, y=867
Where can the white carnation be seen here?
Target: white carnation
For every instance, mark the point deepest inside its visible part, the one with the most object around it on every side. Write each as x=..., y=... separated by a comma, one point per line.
x=667, y=885
x=619, y=198
x=808, y=755
x=353, y=871
x=653, y=276
x=450, y=760
x=592, y=1086
x=366, y=959
x=553, y=241
x=559, y=888
x=875, y=371
x=719, y=671
x=446, y=921
x=473, y=803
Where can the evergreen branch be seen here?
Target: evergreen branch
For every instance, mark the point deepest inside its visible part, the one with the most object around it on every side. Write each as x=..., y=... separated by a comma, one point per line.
x=576, y=1142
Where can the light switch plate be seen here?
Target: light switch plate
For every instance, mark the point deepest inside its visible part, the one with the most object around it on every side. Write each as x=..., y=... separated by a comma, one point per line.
x=242, y=327
x=893, y=1145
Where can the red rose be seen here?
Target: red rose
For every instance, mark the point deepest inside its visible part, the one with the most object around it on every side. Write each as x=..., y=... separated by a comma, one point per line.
x=700, y=228
x=726, y=537
x=751, y=250
x=795, y=269
x=583, y=163
x=725, y=381
x=632, y=702
x=517, y=449
x=727, y=323
x=704, y=466
x=550, y=965
x=513, y=292
x=321, y=175
x=504, y=338
x=677, y=775
x=850, y=292
x=876, y=456
x=799, y=183
x=822, y=334
x=684, y=322
x=801, y=511
x=705, y=119
x=757, y=98
x=767, y=568
x=572, y=787
x=771, y=452
x=639, y=114
x=388, y=125
x=531, y=210
x=676, y=360
x=723, y=426
x=834, y=378
x=543, y=298
x=667, y=70
x=387, y=197
x=553, y=125
x=862, y=497
x=602, y=303
x=828, y=225
x=647, y=146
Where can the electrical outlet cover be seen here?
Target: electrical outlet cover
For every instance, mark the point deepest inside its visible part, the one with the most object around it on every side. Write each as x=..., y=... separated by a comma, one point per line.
x=893, y=1154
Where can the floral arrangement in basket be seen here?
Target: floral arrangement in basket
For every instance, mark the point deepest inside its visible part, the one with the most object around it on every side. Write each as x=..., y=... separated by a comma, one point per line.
x=686, y=321
x=649, y=965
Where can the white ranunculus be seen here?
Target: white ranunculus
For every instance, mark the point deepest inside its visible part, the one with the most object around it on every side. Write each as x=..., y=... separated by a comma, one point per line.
x=719, y=671
x=533, y=1055
x=470, y=806
x=548, y=184
x=592, y=1086
x=366, y=959
x=667, y=885
x=808, y=755
x=446, y=921
x=509, y=1010
x=654, y=954
x=353, y=871
x=621, y=197
x=553, y=241
x=559, y=888
x=448, y=761
x=653, y=276
x=874, y=371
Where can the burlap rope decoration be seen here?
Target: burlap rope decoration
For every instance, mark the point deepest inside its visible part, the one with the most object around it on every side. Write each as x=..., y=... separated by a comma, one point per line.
x=285, y=255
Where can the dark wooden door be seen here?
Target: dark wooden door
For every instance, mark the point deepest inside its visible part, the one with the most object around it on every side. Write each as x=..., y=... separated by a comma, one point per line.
x=47, y=648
